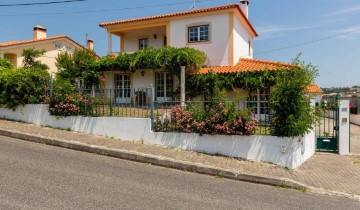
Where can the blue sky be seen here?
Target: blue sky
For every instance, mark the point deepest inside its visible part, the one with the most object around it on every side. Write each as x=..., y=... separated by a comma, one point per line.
x=280, y=23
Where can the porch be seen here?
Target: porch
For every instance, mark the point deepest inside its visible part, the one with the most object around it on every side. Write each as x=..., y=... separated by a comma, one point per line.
x=134, y=38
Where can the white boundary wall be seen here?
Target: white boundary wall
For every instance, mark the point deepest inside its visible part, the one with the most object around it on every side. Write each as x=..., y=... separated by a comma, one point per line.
x=286, y=152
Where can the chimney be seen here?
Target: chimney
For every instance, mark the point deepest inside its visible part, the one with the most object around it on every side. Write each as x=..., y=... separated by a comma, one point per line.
x=90, y=44
x=39, y=32
x=244, y=6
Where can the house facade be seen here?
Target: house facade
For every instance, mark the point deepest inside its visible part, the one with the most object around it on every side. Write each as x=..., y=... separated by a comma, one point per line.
x=224, y=33
x=53, y=45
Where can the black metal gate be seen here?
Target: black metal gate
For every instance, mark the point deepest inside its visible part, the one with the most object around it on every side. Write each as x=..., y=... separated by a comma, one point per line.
x=327, y=128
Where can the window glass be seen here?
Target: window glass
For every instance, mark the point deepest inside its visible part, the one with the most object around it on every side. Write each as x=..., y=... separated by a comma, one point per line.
x=198, y=33
x=143, y=44
x=58, y=46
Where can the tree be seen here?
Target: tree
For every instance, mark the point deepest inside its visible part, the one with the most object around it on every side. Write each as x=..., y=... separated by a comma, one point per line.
x=30, y=55
x=5, y=64
x=289, y=103
x=81, y=64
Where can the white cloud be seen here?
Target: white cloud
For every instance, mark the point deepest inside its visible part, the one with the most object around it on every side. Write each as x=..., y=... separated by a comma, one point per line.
x=347, y=11
x=275, y=31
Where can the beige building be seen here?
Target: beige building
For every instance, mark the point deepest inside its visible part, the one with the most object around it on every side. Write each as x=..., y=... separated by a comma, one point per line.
x=52, y=45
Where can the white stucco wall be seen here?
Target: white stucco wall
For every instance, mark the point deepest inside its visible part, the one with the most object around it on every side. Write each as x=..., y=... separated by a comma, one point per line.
x=148, y=80
x=316, y=97
x=286, y=152
x=217, y=48
x=241, y=41
x=131, y=39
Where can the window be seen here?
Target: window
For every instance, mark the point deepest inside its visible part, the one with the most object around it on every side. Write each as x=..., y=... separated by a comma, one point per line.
x=261, y=97
x=68, y=48
x=122, y=90
x=164, y=86
x=143, y=44
x=198, y=33
x=58, y=46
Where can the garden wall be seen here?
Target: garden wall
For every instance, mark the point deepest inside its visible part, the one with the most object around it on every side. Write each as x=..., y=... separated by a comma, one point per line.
x=286, y=152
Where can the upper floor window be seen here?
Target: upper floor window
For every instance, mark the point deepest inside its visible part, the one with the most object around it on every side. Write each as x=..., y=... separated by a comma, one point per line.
x=58, y=46
x=198, y=33
x=143, y=44
x=69, y=49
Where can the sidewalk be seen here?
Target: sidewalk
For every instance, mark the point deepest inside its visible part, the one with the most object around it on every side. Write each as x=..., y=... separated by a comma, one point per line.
x=329, y=172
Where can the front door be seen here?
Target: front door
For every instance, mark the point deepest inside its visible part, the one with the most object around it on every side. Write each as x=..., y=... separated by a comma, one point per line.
x=122, y=88
x=164, y=86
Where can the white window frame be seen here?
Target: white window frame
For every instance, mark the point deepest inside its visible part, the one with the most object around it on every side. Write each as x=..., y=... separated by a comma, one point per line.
x=165, y=77
x=145, y=44
x=198, y=27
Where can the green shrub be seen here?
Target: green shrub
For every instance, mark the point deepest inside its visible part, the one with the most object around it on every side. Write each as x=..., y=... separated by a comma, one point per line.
x=292, y=113
x=5, y=64
x=22, y=86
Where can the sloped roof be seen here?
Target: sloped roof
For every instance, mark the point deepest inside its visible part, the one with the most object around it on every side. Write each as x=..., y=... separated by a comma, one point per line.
x=15, y=43
x=313, y=88
x=245, y=64
x=209, y=9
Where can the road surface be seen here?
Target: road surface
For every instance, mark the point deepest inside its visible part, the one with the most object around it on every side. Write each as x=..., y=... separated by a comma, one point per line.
x=36, y=176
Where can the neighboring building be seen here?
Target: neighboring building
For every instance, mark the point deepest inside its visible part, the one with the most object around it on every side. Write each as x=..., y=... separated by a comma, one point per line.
x=224, y=33
x=315, y=92
x=52, y=45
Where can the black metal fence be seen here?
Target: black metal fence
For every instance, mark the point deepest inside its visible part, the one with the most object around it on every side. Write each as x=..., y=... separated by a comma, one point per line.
x=242, y=117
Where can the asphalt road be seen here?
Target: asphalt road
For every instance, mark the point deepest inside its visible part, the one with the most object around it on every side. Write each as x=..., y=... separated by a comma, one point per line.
x=35, y=176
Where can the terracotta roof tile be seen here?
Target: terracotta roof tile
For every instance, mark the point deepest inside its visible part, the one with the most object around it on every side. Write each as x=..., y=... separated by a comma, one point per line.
x=230, y=6
x=313, y=88
x=14, y=43
x=245, y=64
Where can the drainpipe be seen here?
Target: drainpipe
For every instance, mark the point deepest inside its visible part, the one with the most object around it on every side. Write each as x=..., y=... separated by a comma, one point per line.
x=258, y=105
x=182, y=86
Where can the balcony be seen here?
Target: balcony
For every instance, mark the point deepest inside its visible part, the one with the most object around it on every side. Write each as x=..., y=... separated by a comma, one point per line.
x=138, y=37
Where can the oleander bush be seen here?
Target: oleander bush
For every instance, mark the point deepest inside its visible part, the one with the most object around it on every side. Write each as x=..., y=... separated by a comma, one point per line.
x=213, y=118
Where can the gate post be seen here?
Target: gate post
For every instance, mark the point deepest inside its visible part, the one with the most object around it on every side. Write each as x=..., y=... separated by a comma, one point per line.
x=344, y=127
x=152, y=118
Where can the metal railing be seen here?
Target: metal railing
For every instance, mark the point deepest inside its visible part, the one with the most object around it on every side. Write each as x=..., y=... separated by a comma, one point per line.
x=117, y=102
x=141, y=103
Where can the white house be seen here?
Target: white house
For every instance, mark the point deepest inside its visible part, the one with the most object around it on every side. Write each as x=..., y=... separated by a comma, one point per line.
x=224, y=33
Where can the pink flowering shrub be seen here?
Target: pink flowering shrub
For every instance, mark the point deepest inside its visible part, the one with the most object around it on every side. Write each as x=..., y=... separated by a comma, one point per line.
x=216, y=118
x=68, y=104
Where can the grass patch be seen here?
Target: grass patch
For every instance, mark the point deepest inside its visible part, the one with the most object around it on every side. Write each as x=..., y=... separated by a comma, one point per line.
x=357, y=163
x=285, y=186
x=219, y=176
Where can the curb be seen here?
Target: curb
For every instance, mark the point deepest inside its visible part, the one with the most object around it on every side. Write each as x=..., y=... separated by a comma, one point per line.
x=172, y=163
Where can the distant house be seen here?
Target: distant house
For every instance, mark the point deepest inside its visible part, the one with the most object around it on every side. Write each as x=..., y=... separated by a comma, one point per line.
x=53, y=46
x=224, y=33
x=315, y=92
